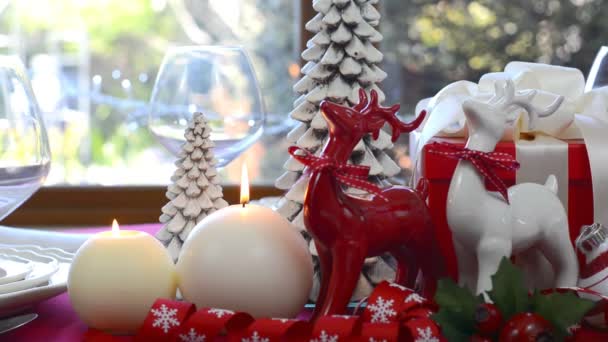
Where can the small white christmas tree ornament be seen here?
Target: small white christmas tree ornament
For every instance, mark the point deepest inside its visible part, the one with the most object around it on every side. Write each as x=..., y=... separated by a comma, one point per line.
x=195, y=191
x=341, y=59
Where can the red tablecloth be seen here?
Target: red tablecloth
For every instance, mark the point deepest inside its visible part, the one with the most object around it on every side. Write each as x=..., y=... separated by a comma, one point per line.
x=57, y=321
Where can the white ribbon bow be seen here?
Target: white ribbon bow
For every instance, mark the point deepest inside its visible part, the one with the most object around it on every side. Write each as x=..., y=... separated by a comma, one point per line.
x=582, y=115
x=446, y=118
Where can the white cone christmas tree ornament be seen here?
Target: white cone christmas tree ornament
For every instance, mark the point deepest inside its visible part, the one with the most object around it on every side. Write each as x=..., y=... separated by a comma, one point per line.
x=593, y=243
x=195, y=191
x=341, y=59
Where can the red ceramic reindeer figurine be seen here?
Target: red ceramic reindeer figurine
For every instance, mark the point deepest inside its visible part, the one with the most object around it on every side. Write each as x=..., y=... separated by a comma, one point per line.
x=346, y=228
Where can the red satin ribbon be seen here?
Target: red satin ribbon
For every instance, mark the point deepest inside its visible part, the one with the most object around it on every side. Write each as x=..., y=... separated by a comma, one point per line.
x=484, y=162
x=354, y=176
x=394, y=313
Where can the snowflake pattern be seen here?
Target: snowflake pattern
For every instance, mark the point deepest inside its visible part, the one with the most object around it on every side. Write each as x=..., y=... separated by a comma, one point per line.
x=382, y=310
x=371, y=339
x=414, y=297
x=219, y=313
x=255, y=338
x=192, y=336
x=426, y=335
x=324, y=337
x=165, y=318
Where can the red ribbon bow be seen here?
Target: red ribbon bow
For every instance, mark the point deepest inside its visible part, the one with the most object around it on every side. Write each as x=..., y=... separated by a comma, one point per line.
x=354, y=176
x=485, y=162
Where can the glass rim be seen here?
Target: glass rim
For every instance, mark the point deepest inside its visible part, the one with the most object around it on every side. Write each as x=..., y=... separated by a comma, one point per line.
x=597, y=61
x=173, y=50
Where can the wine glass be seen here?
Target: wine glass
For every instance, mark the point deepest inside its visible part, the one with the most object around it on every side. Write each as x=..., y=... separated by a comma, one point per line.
x=218, y=81
x=24, y=148
x=598, y=75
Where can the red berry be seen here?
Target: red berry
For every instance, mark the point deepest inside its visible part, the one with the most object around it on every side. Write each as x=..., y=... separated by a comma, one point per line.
x=479, y=338
x=488, y=319
x=527, y=327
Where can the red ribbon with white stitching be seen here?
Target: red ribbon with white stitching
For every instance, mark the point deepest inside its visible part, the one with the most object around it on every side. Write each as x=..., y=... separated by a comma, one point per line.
x=485, y=162
x=354, y=176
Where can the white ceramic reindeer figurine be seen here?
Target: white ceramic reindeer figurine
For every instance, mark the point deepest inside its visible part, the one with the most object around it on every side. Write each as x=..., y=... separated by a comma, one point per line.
x=487, y=227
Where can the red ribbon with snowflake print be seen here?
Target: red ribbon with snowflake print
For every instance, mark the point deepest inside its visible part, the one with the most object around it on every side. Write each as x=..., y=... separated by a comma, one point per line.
x=207, y=324
x=393, y=313
x=164, y=320
x=393, y=304
x=273, y=330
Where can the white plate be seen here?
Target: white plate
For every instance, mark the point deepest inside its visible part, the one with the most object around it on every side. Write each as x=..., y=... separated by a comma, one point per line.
x=44, y=267
x=15, y=270
x=13, y=302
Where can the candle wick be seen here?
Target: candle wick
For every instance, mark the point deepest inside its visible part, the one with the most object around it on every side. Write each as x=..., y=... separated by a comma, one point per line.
x=244, y=204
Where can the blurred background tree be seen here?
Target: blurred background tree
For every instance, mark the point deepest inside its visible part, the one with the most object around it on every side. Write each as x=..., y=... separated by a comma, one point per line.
x=432, y=43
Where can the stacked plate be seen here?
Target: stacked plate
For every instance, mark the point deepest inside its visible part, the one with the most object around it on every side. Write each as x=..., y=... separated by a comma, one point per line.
x=29, y=274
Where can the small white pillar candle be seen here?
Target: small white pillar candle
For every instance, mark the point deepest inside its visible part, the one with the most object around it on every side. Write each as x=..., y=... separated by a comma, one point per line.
x=115, y=278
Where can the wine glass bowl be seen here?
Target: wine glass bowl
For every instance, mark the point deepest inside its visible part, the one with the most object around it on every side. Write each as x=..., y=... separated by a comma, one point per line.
x=598, y=75
x=218, y=81
x=24, y=148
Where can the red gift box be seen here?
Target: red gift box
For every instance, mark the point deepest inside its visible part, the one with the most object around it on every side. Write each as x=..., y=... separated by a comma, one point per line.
x=439, y=170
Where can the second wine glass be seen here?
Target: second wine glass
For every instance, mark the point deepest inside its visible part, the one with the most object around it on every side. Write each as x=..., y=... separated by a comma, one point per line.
x=218, y=81
x=598, y=75
x=24, y=147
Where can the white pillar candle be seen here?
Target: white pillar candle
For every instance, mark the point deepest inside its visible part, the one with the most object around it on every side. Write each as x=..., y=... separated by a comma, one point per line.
x=246, y=258
x=115, y=278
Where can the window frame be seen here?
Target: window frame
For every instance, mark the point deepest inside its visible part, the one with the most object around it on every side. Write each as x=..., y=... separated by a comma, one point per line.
x=99, y=205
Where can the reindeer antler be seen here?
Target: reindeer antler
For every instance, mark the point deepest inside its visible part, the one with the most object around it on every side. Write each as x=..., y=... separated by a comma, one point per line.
x=506, y=96
x=372, y=110
x=363, y=101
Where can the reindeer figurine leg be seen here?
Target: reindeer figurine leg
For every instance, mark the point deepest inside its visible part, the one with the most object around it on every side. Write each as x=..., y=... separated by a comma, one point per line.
x=557, y=248
x=489, y=254
x=347, y=261
x=433, y=268
x=325, y=262
x=467, y=266
x=407, y=268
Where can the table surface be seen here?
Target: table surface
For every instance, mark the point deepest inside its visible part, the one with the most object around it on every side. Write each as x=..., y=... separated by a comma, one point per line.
x=56, y=320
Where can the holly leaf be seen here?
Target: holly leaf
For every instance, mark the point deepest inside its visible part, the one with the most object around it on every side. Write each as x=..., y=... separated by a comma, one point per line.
x=562, y=310
x=451, y=329
x=457, y=307
x=509, y=292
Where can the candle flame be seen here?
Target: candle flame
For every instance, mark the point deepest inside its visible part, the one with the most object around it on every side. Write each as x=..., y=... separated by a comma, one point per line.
x=244, y=185
x=115, y=227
